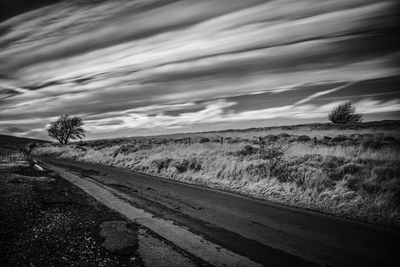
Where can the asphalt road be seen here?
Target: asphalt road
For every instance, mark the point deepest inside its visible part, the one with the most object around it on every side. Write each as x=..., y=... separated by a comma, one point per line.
x=267, y=233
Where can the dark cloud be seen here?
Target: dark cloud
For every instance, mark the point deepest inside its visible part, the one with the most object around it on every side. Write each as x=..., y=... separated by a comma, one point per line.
x=10, y=8
x=185, y=65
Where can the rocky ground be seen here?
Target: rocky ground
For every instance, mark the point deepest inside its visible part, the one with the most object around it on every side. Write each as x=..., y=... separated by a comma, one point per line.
x=46, y=221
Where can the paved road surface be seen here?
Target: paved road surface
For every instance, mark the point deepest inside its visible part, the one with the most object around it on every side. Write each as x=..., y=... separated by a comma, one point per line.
x=266, y=233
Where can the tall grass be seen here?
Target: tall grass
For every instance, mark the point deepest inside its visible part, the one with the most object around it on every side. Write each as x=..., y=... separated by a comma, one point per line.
x=353, y=180
x=12, y=156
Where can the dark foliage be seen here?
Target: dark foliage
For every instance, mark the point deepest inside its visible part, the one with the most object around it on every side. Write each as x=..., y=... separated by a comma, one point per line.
x=345, y=113
x=273, y=153
x=303, y=138
x=66, y=128
x=339, y=138
x=247, y=150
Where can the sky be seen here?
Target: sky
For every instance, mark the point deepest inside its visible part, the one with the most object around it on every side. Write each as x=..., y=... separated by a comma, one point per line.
x=147, y=67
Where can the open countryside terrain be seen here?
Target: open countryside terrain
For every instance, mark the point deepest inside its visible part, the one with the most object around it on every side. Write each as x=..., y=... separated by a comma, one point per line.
x=158, y=219
x=48, y=221
x=350, y=171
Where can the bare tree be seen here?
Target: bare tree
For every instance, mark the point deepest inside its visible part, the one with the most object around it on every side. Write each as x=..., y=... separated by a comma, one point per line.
x=344, y=113
x=66, y=128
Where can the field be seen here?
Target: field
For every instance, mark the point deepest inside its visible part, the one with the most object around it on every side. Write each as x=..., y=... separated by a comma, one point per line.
x=351, y=171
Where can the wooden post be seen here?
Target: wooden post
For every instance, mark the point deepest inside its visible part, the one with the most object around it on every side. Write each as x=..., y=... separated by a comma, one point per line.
x=222, y=140
x=189, y=141
x=315, y=140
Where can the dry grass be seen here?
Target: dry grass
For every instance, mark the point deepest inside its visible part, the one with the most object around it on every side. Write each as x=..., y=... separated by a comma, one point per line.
x=357, y=177
x=12, y=156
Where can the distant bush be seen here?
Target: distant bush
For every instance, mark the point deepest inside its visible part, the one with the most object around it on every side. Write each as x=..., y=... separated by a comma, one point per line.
x=339, y=138
x=303, y=138
x=204, y=140
x=345, y=113
x=284, y=135
x=389, y=138
x=327, y=138
x=271, y=138
x=247, y=150
x=125, y=149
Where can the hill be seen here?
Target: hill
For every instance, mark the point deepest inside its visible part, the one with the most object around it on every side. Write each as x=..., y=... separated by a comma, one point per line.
x=9, y=142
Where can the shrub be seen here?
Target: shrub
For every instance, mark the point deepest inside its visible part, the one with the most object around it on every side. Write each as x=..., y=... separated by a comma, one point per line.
x=303, y=138
x=125, y=149
x=272, y=155
x=389, y=138
x=204, y=140
x=339, y=138
x=192, y=164
x=182, y=166
x=162, y=164
x=344, y=113
x=327, y=138
x=331, y=167
x=271, y=138
x=284, y=135
x=247, y=150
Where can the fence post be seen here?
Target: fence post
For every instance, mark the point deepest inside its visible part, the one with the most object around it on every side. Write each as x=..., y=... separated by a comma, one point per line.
x=222, y=140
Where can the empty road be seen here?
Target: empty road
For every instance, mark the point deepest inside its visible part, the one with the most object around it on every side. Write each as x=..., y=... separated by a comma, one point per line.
x=266, y=233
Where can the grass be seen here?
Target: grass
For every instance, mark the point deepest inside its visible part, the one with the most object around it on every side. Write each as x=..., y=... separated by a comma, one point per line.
x=356, y=175
x=13, y=156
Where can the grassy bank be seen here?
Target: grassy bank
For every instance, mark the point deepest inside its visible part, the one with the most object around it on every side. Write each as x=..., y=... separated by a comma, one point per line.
x=354, y=174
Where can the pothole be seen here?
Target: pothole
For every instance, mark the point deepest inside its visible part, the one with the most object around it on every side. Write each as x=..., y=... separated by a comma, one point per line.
x=119, y=237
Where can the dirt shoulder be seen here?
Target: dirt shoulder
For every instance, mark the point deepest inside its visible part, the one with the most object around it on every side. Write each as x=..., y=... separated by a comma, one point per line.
x=46, y=221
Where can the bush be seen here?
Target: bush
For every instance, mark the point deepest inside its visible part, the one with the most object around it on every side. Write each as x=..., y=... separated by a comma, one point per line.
x=331, y=167
x=284, y=135
x=303, y=138
x=339, y=138
x=327, y=138
x=192, y=164
x=162, y=164
x=389, y=138
x=204, y=140
x=271, y=138
x=247, y=150
x=272, y=154
x=125, y=149
x=345, y=113
x=182, y=166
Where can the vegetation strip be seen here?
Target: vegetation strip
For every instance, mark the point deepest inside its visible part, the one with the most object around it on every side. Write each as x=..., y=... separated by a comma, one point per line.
x=347, y=170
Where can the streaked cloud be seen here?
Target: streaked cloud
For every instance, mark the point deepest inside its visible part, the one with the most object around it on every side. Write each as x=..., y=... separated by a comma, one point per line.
x=160, y=65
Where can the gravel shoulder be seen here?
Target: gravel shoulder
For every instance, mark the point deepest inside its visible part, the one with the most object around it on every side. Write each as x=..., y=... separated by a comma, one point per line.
x=47, y=221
